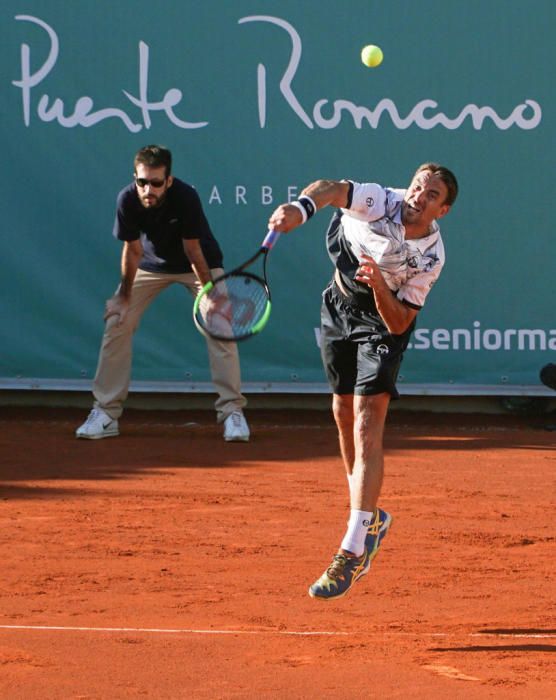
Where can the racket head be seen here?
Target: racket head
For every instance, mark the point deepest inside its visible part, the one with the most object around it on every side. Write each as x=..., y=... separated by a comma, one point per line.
x=233, y=307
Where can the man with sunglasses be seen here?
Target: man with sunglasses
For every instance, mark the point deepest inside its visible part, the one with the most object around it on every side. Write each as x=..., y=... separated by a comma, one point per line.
x=166, y=239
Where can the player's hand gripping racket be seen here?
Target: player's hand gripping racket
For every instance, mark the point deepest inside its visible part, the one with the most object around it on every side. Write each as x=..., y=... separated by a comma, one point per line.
x=237, y=305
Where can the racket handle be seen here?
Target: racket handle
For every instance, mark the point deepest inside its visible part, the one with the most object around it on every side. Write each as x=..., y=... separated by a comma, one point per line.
x=270, y=239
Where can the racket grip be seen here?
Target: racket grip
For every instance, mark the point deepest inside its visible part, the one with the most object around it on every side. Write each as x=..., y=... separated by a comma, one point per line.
x=270, y=239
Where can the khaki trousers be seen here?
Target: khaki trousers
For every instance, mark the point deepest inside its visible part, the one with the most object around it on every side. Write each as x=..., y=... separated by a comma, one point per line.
x=113, y=375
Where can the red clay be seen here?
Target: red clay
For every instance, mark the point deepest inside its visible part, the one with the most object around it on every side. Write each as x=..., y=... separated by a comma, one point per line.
x=185, y=561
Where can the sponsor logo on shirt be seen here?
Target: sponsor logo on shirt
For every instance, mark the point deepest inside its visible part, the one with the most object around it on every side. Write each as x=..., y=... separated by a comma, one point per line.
x=413, y=261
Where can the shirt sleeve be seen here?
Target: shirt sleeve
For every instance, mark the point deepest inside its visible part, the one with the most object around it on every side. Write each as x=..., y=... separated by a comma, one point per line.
x=366, y=201
x=195, y=224
x=125, y=229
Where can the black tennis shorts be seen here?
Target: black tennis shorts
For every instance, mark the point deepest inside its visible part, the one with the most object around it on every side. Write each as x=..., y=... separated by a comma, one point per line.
x=359, y=355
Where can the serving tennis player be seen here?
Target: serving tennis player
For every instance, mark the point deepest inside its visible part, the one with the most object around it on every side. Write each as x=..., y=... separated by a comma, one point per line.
x=387, y=250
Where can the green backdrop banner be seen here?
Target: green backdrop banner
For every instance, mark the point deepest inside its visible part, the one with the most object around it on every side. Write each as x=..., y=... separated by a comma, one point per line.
x=256, y=99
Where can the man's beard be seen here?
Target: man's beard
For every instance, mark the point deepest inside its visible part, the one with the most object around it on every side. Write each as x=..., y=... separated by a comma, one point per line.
x=152, y=201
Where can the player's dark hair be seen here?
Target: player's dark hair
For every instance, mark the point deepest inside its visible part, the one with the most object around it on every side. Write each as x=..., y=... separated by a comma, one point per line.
x=447, y=177
x=154, y=157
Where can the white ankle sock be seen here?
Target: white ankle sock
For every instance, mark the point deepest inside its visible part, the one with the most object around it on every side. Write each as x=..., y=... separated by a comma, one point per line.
x=354, y=539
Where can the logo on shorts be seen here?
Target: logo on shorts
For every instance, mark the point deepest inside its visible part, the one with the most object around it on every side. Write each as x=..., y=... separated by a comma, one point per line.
x=382, y=349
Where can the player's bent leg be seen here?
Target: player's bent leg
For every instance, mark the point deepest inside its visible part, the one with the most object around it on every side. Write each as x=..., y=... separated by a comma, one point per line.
x=337, y=580
x=369, y=467
x=368, y=470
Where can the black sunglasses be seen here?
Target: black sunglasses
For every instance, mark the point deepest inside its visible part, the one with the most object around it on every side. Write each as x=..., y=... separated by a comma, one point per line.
x=143, y=182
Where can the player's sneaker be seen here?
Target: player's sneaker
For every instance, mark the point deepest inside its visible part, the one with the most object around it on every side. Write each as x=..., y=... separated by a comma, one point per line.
x=375, y=534
x=236, y=428
x=340, y=576
x=98, y=425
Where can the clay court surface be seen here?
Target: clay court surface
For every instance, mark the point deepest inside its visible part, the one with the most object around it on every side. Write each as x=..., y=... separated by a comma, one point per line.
x=166, y=563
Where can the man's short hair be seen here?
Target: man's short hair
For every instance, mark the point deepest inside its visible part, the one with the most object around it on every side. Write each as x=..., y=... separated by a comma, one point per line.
x=154, y=157
x=447, y=177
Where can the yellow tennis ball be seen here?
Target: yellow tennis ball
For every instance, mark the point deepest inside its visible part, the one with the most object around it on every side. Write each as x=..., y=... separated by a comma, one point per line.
x=372, y=55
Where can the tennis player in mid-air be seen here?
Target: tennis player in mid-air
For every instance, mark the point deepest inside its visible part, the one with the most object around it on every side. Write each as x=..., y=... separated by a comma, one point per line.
x=388, y=253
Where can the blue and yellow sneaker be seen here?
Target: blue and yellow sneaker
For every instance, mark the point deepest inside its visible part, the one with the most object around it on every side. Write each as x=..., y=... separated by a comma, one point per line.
x=375, y=534
x=340, y=576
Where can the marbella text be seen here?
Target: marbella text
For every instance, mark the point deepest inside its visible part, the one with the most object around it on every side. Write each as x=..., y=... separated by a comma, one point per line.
x=243, y=195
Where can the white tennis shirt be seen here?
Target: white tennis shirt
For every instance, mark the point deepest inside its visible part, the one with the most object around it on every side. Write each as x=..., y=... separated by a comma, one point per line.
x=371, y=225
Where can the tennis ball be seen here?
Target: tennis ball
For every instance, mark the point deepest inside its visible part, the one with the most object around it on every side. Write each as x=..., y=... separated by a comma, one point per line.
x=372, y=55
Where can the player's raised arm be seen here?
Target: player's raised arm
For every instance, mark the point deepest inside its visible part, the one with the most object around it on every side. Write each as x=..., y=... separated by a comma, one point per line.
x=315, y=196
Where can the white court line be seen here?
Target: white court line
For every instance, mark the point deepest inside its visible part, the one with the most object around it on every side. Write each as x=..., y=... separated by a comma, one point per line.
x=156, y=630
x=549, y=635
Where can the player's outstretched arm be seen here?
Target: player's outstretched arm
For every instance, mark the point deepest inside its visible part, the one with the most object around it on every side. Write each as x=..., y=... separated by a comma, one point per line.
x=315, y=196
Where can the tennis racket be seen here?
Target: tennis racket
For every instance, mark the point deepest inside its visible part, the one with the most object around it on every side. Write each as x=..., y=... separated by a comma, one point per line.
x=237, y=305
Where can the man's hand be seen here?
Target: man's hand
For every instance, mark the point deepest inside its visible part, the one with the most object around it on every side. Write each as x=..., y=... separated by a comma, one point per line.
x=219, y=304
x=285, y=218
x=323, y=193
x=369, y=273
x=397, y=317
x=116, y=306
x=216, y=310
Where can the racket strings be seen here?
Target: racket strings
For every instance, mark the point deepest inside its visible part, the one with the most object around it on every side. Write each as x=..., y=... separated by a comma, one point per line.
x=234, y=306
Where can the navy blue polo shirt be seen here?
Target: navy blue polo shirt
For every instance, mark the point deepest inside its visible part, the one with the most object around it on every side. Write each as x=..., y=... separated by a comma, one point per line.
x=162, y=230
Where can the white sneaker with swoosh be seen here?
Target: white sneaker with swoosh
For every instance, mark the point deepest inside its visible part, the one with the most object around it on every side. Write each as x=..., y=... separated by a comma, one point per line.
x=98, y=425
x=236, y=428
